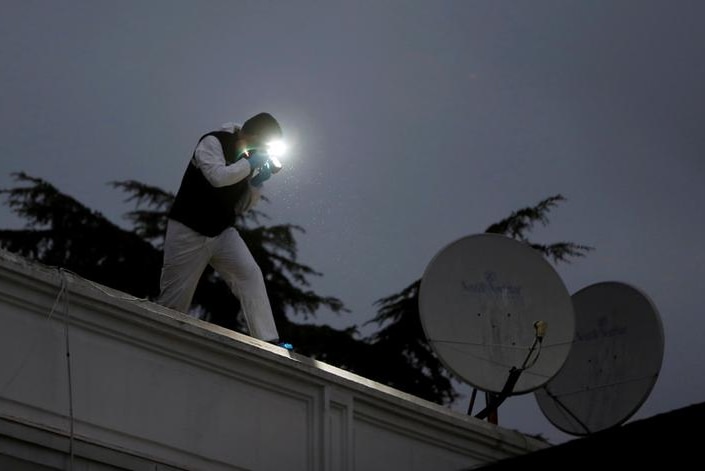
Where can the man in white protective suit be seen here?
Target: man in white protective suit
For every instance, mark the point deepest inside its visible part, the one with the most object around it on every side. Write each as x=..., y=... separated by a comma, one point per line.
x=223, y=179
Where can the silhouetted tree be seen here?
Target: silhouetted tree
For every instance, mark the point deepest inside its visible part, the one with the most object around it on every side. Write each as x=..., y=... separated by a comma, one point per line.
x=274, y=248
x=62, y=232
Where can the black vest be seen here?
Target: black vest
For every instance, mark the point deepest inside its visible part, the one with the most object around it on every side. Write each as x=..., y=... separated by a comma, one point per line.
x=201, y=206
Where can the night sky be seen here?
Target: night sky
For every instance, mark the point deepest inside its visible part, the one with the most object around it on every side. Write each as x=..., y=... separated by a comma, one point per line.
x=411, y=124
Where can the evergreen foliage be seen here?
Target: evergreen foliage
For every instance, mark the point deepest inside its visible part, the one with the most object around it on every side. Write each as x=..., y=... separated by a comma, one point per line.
x=62, y=232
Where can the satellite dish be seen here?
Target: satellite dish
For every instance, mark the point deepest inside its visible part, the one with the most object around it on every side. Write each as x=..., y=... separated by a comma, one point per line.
x=484, y=301
x=613, y=364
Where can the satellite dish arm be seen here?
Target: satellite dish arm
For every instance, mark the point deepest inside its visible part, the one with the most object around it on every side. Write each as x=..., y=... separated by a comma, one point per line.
x=498, y=399
x=514, y=373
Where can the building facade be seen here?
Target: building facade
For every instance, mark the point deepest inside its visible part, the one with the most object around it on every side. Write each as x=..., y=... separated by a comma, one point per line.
x=94, y=379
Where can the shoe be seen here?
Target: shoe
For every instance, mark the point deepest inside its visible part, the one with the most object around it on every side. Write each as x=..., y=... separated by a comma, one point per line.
x=284, y=345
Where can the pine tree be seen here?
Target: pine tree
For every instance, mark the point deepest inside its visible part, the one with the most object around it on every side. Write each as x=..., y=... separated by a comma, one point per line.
x=62, y=232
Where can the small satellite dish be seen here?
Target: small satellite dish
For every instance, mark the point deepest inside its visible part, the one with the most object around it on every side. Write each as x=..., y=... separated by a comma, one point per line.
x=491, y=306
x=613, y=363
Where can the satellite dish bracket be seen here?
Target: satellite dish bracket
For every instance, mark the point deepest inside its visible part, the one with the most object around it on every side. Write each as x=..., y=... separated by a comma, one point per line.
x=567, y=410
x=497, y=399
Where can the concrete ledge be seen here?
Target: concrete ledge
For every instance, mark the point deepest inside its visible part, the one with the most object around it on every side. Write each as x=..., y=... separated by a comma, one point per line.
x=152, y=384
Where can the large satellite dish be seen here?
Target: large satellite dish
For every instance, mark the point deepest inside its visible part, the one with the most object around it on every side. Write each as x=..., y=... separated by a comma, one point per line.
x=496, y=312
x=613, y=363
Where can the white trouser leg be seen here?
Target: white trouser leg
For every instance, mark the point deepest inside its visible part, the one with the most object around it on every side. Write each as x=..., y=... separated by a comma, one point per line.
x=235, y=264
x=186, y=255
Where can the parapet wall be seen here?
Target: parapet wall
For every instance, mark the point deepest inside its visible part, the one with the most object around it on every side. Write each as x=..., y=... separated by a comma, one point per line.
x=91, y=375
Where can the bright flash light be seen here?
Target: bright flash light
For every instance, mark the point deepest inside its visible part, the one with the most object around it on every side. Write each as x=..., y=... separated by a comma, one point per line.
x=276, y=148
x=276, y=164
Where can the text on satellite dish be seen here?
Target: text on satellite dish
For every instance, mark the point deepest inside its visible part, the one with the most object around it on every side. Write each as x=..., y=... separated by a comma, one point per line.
x=490, y=286
x=603, y=330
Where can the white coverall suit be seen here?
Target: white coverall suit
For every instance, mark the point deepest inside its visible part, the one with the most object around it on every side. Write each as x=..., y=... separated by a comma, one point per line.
x=187, y=252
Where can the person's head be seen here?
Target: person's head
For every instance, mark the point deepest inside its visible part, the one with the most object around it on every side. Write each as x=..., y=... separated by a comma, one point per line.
x=260, y=129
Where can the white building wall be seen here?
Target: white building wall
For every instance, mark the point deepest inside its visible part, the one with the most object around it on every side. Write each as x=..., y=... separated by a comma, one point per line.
x=145, y=387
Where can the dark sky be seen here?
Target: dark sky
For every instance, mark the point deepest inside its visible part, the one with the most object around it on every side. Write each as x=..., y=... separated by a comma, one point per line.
x=412, y=124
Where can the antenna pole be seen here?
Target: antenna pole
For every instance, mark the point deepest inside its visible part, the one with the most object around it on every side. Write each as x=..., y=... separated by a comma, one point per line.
x=496, y=400
x=472, y=400
x=493, y=401
x=493, y=415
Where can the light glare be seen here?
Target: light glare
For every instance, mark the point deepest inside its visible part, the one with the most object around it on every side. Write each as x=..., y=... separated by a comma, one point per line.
x=276, y=148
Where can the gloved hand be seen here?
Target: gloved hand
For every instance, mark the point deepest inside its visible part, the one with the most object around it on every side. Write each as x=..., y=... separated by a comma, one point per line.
x=264, y=173
x=257, y=159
